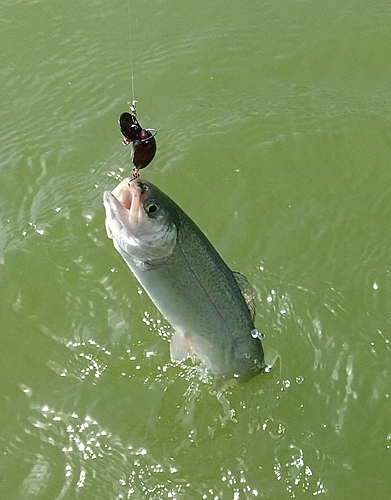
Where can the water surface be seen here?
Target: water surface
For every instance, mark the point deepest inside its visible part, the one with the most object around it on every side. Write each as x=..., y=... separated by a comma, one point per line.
x=274, y=124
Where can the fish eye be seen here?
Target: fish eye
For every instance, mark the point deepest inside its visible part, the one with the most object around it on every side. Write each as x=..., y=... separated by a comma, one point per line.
x=152, y=208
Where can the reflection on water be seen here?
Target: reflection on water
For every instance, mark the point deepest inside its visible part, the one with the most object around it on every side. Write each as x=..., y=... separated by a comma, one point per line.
x=90, y=454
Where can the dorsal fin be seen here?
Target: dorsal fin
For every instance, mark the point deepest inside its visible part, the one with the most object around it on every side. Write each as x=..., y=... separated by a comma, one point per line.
x=247, y=292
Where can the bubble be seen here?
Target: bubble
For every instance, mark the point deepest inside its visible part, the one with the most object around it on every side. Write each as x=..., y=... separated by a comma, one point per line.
x=257, y=335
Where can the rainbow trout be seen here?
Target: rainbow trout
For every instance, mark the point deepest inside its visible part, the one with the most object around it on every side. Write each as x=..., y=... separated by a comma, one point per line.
x=211, y=308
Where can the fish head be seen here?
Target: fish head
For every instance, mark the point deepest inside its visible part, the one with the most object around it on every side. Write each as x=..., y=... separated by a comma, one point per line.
x=139, y=223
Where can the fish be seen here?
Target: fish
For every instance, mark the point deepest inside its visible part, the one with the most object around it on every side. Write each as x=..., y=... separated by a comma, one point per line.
x=211, y=308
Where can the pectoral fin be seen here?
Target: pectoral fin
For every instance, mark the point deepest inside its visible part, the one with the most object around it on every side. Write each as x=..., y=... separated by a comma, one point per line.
x=247, y=292
x=180, y=348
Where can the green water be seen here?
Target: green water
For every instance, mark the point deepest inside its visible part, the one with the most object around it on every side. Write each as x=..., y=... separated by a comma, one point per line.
x=274, y=122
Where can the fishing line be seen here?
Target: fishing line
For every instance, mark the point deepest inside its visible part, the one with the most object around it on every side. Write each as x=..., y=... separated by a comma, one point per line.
x=142, y=140
x=134, y=102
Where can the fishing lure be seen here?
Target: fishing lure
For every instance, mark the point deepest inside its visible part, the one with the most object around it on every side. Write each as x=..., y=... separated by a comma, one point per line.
x=143, y=140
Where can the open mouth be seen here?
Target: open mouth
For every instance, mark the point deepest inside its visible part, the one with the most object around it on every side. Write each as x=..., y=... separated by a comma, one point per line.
x=130, y=192
x=124, y=205
x=125, y=192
